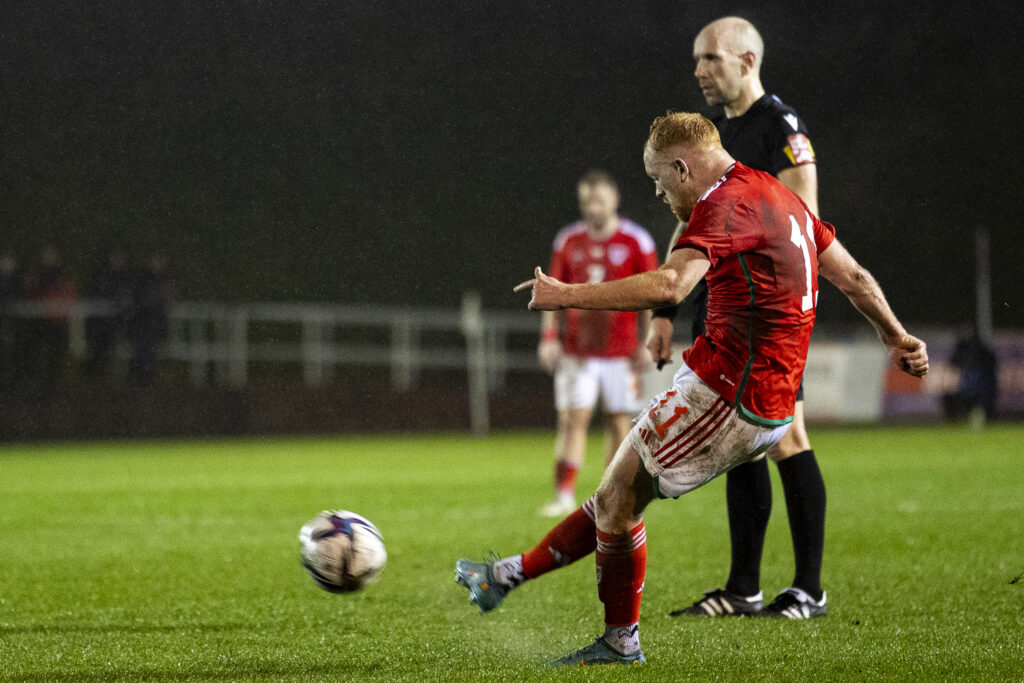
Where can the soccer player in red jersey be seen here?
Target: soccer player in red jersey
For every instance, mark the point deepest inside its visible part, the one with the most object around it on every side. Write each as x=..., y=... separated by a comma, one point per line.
x=760, y=250
x=761, y=132
x=594, y=354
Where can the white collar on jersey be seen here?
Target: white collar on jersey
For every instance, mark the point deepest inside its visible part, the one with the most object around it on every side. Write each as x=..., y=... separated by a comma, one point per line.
x=715, y=186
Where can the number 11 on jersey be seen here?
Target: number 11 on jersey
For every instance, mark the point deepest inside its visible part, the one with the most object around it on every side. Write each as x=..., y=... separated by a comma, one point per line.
x=807, y=301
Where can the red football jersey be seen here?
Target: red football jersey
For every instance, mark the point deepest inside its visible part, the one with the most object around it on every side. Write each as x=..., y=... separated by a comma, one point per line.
x=579, y=258
x=763, y=245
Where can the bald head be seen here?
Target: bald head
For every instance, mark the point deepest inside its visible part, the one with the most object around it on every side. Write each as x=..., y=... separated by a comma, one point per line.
x=728, y=53
x=737, y=35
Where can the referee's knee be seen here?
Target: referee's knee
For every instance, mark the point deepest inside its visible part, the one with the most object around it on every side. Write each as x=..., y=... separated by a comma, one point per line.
x=794, y=441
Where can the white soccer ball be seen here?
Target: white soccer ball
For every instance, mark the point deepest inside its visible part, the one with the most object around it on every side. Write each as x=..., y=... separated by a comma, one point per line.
x=342, y=551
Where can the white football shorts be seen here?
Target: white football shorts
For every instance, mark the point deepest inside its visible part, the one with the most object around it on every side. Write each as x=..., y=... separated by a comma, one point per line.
x=689, y=435
x=580, y=381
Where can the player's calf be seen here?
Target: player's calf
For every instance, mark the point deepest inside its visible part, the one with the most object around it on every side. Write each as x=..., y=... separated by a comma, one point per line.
x=491, y=580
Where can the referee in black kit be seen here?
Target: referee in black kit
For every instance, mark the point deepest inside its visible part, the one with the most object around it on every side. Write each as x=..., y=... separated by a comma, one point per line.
x=761, y=132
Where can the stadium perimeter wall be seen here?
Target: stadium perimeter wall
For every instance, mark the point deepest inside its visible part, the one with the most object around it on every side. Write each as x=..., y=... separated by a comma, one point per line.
x=81, y=411
x=845, y=381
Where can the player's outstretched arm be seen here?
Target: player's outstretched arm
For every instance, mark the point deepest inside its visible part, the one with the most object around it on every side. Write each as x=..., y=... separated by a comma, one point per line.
x=907, y=352
x=665, y=286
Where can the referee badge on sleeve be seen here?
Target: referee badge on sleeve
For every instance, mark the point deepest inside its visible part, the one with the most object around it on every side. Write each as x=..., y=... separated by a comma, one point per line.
x=799, y=150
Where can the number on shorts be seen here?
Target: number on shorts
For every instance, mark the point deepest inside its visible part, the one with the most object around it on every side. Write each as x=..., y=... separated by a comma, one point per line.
x=662, y=428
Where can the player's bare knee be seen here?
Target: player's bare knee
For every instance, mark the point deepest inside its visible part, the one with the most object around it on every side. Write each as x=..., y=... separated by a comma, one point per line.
x=613, y=510
x=604, y=506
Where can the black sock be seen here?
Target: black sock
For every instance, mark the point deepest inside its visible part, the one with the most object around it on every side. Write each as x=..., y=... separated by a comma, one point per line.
x=805, y=504
x=748, y=494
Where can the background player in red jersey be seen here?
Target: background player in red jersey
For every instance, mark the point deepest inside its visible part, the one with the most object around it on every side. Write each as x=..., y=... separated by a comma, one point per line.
x=761, y=132
x=760, y=249
x=594, y=353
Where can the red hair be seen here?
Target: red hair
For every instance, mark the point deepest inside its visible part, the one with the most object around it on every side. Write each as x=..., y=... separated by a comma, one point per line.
x=681, y=128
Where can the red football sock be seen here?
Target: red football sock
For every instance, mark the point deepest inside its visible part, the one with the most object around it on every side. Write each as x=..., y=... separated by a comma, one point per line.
x=621, y=568
x=565, y=476
x=572, y=538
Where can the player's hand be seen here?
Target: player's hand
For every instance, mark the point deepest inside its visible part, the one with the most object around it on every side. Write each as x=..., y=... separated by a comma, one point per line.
x=659, y=341
x=909, y=354
x=549, y=353
x=546, y=292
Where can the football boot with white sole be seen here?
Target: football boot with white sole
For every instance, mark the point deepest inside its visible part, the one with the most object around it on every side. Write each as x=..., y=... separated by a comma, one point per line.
x=722, y=603
x=794, y=603
x=597, y=653
x=559, y=507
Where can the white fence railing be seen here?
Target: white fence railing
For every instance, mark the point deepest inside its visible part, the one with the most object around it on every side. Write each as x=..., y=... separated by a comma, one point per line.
x=221, y=343
x=225, y=345
x=217, y=339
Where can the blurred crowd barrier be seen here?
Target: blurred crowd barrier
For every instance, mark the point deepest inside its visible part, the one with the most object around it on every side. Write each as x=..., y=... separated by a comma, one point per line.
x=474, y=364
x=224, y=344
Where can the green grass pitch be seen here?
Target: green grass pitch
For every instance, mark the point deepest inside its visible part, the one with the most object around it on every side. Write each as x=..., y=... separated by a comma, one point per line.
x=178, y=561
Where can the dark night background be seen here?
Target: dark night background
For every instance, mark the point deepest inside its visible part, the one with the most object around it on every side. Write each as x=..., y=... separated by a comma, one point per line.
x=402, y=152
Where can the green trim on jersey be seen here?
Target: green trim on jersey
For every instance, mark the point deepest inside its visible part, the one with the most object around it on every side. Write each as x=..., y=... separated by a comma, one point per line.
x=751, y=341
x=759, y=421
x=745, y=414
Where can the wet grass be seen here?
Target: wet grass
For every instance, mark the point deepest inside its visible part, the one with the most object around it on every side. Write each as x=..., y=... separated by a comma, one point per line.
x=178, y=561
